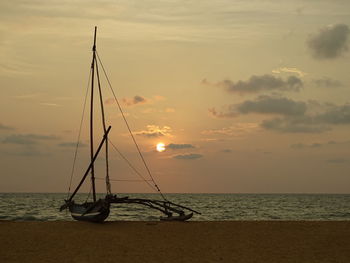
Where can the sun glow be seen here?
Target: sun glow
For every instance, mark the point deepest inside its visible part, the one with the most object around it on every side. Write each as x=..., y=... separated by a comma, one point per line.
x=160, y=147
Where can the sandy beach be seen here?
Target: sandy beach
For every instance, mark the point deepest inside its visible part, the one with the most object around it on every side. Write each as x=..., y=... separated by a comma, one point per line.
x=234, y=241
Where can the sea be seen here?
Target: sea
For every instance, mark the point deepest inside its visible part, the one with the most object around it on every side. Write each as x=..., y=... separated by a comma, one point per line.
x=213, y=207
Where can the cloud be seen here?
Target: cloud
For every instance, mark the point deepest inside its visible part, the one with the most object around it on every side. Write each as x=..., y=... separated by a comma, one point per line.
x=332, y=142
x=169, y=110
x=135, y=100
x=30, y=152
x=311, y=123
x=289, y=70
x=50, y=104
x=263, y=105
x=337, y=160
x=154, y=131
x=138, y=100
x=158, y=98
x=300, y=124
x=71, y=144
x=272, y=105
x=229, y=112
x=28, y=96
x=110, y=101
x=336, y=115
x=298, y=146
x=327, y=83
x=303, y=146
x=262, y=83
x=5, y=127
x=154, y=110
x=189, y=156
x=330, y=42
x=27, y=139
x=317, y=144
x=17, y=66
x=174, y=146
x=292, y=116
x=237, y=129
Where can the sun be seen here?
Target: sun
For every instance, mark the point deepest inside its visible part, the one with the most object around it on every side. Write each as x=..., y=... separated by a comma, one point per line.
x=160, y=147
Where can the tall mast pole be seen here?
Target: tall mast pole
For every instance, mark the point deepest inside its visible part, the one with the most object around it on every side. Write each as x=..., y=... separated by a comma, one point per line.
x=108, y=184
x=91, y=117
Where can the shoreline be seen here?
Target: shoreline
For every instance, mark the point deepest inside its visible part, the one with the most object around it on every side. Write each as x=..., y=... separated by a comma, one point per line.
x=193, y=241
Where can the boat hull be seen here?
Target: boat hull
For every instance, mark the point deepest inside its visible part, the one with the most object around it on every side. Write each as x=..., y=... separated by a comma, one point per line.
x=90, y=211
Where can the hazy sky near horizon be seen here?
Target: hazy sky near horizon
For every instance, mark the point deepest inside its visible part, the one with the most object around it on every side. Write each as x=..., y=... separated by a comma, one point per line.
x=247, y=96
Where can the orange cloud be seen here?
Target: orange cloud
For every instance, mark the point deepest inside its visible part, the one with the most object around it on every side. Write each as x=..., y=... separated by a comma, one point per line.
x=154, y=131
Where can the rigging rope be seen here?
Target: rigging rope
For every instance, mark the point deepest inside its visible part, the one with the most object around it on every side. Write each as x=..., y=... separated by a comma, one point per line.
x=128, y=127
x=78, y=141
x=133, y=167
x=87, y=198
x=122, y=180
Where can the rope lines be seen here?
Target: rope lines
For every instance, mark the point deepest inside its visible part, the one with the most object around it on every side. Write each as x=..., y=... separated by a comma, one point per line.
x=128, y=127
x=123, y=180
x=133, y=167
x=78, y=140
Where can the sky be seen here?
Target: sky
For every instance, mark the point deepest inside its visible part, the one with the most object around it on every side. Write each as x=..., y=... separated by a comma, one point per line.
x=247, y=96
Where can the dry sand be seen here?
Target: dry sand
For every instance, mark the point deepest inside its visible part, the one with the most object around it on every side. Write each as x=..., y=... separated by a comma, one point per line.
x=235, y=241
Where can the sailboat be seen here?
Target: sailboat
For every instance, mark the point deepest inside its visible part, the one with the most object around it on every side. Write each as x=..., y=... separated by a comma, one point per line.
x=97, y=210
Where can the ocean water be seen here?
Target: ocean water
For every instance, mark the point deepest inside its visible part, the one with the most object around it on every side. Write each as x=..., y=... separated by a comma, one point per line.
x=214, y=207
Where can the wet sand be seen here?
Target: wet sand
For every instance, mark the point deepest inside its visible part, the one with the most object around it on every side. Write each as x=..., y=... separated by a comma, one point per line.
x=230, y=241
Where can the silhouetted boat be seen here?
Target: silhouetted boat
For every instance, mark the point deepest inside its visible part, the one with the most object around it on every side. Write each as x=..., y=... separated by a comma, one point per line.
x=98, y=210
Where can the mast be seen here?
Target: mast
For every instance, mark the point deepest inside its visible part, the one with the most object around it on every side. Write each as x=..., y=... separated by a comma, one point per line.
x=91, y=118
x=108, y=185
x=91, y=164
